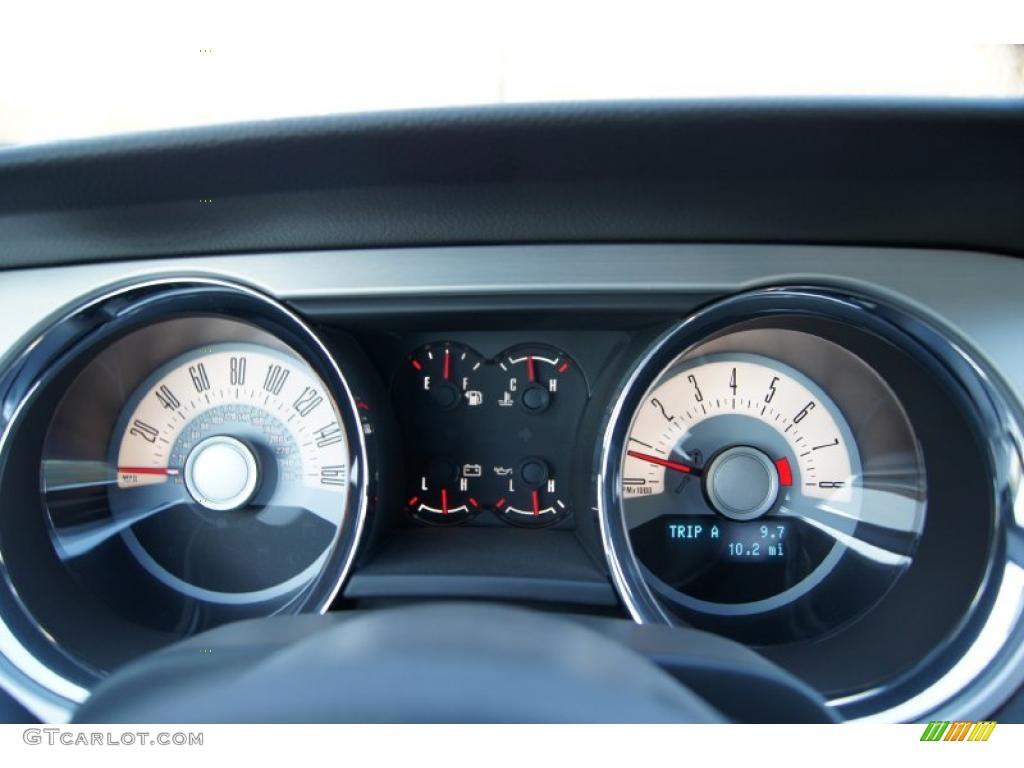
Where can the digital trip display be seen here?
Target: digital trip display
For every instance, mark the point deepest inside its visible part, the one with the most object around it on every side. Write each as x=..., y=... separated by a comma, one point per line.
x=715, y=559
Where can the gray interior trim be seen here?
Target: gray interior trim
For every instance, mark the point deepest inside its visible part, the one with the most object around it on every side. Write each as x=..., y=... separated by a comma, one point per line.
x=974, y=294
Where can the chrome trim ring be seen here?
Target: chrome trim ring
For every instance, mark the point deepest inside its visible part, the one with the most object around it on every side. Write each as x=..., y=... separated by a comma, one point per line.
x=982, y=664
x=51, y=693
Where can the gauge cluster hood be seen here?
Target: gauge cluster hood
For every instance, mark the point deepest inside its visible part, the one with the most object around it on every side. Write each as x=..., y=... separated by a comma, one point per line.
x=879, y=172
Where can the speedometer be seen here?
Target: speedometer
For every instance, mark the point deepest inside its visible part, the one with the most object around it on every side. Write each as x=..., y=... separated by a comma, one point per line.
x=202, y=459
x=241, y=446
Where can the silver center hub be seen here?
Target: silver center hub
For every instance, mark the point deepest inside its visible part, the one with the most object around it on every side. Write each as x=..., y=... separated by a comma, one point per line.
x=221, y=473
x=742, y=483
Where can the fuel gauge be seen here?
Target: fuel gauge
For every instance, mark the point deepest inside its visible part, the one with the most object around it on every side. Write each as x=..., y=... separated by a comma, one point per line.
x=445, y=373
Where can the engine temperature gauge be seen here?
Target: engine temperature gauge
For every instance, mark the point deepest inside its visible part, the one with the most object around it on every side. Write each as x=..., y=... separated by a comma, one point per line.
x=535, y=376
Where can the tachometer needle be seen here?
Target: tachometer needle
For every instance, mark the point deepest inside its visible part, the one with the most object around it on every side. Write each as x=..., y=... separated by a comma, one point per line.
x=677, y=466
x=148, y=471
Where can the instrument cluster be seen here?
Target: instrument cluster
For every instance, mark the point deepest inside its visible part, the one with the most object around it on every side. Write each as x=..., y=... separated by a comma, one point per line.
x=794, y=468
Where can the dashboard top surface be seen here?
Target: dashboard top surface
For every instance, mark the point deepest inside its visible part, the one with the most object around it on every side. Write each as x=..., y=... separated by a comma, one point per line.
x=903, y=173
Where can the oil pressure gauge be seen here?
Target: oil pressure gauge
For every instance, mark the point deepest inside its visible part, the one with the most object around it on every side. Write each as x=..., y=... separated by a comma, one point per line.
x=532, y=497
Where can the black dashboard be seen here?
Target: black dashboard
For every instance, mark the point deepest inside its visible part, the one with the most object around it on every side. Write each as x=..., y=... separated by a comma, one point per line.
x=748, y=371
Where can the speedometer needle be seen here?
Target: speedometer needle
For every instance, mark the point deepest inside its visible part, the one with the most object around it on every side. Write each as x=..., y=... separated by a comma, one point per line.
x=677, y=466
x=147, y=471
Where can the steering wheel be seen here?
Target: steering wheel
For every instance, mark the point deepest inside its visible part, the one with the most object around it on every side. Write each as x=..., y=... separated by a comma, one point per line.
x=441, y=663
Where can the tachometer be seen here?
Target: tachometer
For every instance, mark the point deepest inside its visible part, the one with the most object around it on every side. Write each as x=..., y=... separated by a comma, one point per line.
x=739, y=460
x=768, y=482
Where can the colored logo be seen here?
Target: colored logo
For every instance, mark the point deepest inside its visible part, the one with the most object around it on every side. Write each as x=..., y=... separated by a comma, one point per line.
x=939, y=730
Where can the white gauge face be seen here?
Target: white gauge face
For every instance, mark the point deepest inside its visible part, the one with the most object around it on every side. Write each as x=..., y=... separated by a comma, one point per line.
x=277, y=395
x=741, y=485
x=817, y=440
x=235, y=455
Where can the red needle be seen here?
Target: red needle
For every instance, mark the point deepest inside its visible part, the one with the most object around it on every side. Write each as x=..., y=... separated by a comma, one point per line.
x=535, y=495
x=447, y=363
x=147, y=471
x=444, y=501
x=529, y=368
x=665, y=463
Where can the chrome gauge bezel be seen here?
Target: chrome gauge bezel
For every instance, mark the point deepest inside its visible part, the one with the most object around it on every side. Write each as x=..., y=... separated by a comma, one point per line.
x=41, y=675
x=983, y=661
